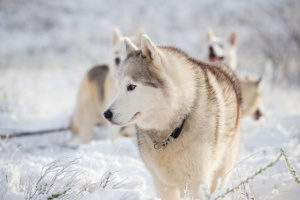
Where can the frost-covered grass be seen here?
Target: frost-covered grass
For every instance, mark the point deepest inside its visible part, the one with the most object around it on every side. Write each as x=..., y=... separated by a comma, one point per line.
x=47, y=46
x=241, y=187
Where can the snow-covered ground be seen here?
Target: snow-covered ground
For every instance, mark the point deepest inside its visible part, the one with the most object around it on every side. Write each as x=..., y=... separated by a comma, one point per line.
x=47, y=46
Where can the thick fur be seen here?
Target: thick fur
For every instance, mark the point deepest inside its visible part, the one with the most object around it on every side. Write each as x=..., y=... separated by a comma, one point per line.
x=225, y=51
x=221, y=49
x=158, y=87
x=252, y=98
x=97, y=89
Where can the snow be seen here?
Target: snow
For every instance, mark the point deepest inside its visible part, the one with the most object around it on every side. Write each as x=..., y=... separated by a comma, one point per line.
x=47, y=46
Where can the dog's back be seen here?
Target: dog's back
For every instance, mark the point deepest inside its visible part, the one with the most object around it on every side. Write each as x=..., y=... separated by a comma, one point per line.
x=223, y=90
x=98, y=75
x=89, y=101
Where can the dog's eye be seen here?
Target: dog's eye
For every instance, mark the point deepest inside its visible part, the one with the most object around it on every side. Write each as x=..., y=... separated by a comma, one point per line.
x=130, y=87
x=117, y=61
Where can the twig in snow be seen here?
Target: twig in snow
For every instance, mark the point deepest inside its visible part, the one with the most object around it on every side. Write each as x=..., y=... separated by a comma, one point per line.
x=251, y=177
x=289, y=166
x=28, y=133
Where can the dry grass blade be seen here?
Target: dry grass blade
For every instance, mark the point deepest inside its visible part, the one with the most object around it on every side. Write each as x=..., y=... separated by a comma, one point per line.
x=250, y=177
x=288, y=164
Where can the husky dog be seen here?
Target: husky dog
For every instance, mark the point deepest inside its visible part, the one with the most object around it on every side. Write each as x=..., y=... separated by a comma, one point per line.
x=222, y=50
x=187, y=115
x=96, y=90
x=252, y=98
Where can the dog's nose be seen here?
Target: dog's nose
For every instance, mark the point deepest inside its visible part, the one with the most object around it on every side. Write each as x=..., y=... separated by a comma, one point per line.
x=117, y=61
x=108, y=115
x=258, y=114
x=211, y=50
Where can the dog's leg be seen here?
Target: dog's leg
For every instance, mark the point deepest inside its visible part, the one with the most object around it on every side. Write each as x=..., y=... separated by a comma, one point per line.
x=217, y=174
x=83, y=122
x=86, y=130
x=198, y=189
x=166, y=192
x=224, y=170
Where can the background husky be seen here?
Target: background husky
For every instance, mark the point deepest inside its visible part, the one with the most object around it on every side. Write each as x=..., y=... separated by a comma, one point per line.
x=222, y=49
x=252, y=98
x=96, y=90
x=162, y=90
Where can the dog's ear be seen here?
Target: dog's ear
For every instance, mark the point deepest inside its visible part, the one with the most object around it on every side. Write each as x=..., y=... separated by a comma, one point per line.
x=117, y=35
x=129, y=46
x=258, y=82
x=209, y=34
x=148, y=48
x=232, y=39
x=151, y=51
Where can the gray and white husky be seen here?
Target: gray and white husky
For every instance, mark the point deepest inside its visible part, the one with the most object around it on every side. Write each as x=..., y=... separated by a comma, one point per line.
x=97, y=89
x=187, y=113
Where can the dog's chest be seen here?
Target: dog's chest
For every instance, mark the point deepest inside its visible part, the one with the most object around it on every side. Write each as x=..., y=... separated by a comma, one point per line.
x=173, y=164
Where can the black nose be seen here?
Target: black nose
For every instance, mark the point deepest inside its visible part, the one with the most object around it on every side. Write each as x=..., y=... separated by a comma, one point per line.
x=108, y=115
x=258, y=114
x=117, y=60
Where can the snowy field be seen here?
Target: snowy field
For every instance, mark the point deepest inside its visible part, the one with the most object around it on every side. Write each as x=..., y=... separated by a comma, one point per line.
x=47, y=46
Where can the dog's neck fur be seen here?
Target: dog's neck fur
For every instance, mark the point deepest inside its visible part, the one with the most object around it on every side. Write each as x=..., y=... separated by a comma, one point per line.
x=176, y=85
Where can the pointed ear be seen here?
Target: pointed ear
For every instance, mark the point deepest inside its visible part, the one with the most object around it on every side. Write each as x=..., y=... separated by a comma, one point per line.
x=232, y=39
x=129, y=46
x=151, y=51
x=209, y=33
x=258, y=82
x=148, y=48
x=117, y=35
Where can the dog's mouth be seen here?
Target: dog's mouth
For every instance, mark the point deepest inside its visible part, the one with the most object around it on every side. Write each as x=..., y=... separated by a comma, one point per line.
x=134, y=116
x=122, y=124
x=257, y=115
x=214, y=58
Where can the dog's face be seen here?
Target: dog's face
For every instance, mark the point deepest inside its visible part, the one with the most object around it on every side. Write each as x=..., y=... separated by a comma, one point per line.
x=252, y=98
x=221, y=50
x=117, y=51
x=140, y=81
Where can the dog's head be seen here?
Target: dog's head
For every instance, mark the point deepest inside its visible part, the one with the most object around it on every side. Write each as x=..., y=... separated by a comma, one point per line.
x=252, y=98
x=141, y=82
x=221, y=50
x=117, y=51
